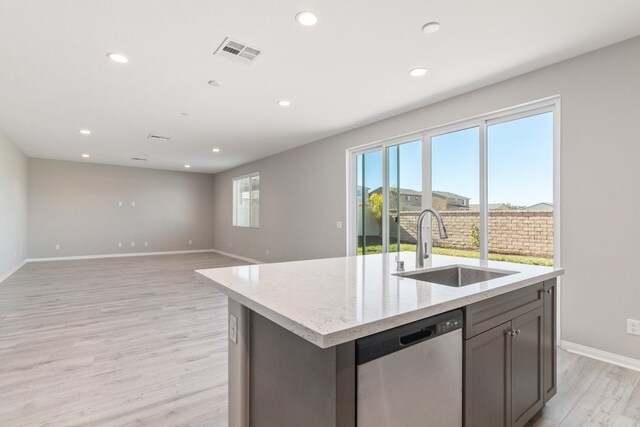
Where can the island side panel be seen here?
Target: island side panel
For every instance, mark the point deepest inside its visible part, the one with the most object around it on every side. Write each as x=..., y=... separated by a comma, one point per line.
x=294, y=382
x=239, y=366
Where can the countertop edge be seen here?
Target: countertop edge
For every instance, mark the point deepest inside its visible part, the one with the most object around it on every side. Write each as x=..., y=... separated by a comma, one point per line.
x=283, y=321
x=336, y=338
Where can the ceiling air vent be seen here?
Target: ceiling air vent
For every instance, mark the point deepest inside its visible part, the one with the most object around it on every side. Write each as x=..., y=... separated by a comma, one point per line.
x=158, y=137
x=237, y=51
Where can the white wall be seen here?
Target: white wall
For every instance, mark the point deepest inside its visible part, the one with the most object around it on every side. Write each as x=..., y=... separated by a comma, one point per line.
x=13, y=207
x=304, y=190
x=76, y=206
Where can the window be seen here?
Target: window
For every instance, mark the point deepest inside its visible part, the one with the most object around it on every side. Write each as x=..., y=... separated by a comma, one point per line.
x=520, y=177
x=462, y=149
x=246, y=200
x=494, y=179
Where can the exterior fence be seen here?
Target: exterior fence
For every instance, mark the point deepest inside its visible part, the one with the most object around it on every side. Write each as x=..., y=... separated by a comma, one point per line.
x=513, y=232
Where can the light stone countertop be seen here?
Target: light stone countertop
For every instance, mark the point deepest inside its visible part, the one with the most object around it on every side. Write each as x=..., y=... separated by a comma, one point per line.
x=335, y=300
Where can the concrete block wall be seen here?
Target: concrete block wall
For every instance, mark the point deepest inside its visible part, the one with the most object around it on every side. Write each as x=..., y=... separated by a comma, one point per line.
x=510, y=232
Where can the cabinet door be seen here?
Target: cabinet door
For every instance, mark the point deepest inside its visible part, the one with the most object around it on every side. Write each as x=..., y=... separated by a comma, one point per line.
x=526, y=366
x=549, y=336
x=487, y=378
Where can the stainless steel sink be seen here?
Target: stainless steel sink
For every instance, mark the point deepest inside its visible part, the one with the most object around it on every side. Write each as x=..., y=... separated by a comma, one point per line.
x=456, y=276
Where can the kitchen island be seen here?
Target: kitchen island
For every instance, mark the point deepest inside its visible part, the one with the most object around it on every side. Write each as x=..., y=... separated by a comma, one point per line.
x=294, y=327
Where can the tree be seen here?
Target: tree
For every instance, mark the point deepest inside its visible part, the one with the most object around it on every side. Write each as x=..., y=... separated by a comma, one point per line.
x=375, y=205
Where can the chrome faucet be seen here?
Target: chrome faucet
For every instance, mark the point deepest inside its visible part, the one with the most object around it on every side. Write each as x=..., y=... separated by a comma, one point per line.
x=421, y=249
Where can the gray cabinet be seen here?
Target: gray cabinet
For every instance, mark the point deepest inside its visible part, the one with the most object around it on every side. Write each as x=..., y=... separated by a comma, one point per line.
x=487, y=378
x=550, y=355
x=526, y=367
x=505, y=365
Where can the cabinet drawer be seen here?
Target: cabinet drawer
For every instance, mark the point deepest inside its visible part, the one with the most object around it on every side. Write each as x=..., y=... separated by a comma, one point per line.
x=492, y=312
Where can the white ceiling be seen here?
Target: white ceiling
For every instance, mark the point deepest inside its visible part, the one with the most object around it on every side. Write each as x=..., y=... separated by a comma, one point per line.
x=349, y=70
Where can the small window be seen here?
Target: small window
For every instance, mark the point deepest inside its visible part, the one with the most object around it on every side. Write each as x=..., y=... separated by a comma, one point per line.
x=246, y=200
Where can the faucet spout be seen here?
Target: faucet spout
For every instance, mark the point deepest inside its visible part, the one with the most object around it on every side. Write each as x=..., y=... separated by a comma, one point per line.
x=421, y=248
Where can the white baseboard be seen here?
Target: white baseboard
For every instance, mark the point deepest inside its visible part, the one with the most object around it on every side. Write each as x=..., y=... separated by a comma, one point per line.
x=229, y=254
x=604, y=356
x=13, y=270
x=128, y=254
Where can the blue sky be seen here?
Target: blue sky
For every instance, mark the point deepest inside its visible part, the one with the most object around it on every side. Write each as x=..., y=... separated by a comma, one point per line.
x=520, y=161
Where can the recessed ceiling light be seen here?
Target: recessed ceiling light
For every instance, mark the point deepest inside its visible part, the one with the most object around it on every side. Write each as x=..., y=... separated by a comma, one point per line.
x=284, y=103
x=86, y=156
x=187, y=166
x=85, y=131
x=214, y=83
x=307, y=19
x=418, y=72
x=215, y=150
x=431, y=27
x=117, y=57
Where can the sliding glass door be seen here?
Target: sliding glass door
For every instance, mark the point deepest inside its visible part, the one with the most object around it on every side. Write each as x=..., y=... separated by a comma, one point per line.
x=388, y=197
x=455, y=190
x=369, y=197
x=492, y=178
x=520, y=189
x=404, y=194
x=494, y=186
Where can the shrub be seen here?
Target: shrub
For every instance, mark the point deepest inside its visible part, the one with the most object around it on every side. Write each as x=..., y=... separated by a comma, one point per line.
x=475, y=236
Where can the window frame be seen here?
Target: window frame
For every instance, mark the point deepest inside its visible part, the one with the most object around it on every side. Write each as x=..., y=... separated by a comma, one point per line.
x=545, y=105
x=235, y=198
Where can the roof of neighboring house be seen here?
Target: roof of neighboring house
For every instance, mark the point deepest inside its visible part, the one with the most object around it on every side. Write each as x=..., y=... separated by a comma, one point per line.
x=492, y=207
x=542, y=206
x=448, y=195
x=403, y=191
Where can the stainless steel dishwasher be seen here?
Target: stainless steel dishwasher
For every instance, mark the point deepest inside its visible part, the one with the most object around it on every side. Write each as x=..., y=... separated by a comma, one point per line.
x=412, y=375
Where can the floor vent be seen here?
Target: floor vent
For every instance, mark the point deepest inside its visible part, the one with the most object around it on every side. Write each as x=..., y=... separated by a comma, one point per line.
x=158, y=137
x=237, y=51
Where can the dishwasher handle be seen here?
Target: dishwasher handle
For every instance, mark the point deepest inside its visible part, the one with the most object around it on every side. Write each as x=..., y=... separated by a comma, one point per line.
x=417, y=336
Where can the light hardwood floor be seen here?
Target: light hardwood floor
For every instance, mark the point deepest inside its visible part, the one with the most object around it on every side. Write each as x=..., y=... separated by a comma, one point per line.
x=116, y=341
x=140, y=340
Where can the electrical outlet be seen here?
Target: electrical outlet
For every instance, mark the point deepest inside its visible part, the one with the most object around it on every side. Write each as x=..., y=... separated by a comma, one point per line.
x=633, y=327
x=120, y=204
x=268, y=252
x=133, y=244
x=146, y=243
x=339, y=224
x=133, y=204
x=191, y=242
x=233, y=329
x=119, y=244
x=57, y=247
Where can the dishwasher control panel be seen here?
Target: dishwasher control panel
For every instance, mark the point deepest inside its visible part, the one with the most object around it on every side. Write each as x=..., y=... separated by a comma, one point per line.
x=449, y=325
x=387, y=342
